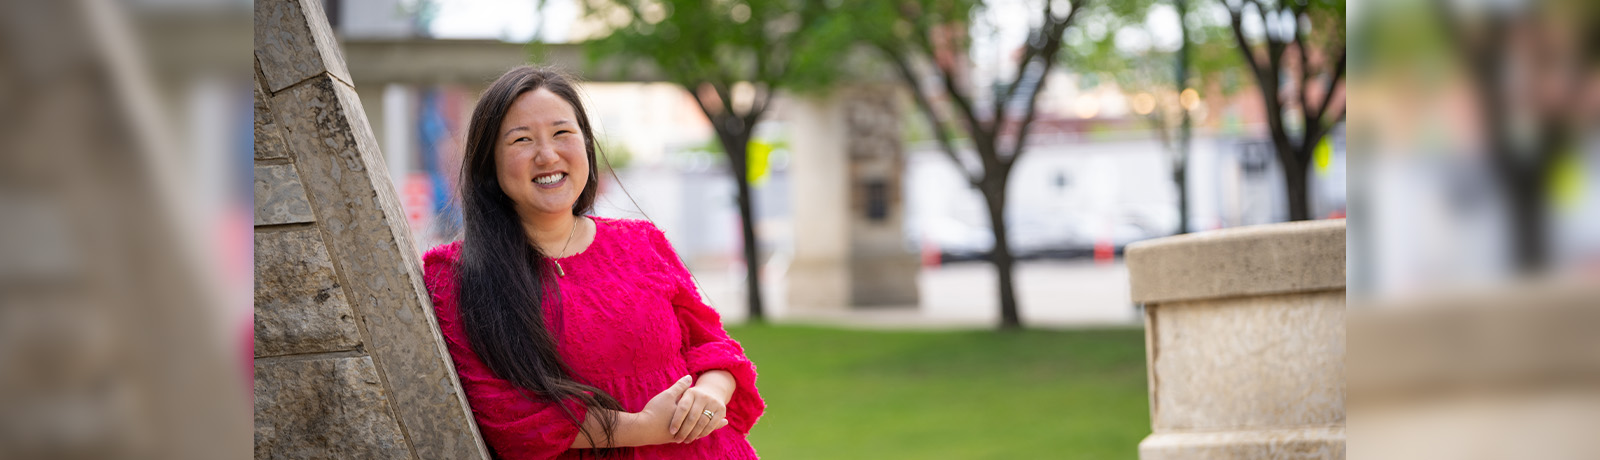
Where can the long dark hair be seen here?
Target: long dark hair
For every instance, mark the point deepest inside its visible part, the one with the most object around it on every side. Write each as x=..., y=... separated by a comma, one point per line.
x=505, y=281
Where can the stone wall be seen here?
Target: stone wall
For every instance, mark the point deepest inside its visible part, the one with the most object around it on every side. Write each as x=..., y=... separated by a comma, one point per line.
x=1245, y=340
x=348, y=358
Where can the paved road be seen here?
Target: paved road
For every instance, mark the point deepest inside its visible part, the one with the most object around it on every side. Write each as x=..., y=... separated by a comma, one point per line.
x=962, y=295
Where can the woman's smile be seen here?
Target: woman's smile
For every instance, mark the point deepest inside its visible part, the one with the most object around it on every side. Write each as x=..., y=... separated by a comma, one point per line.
x=551, y=180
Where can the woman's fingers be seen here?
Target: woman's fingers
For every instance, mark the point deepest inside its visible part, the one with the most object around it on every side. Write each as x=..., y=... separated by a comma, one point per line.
x=676, y=422
x=662, y=404
x=718, y=419
x=691, y=429
x=706, y=429
x=680, y=386
x=709, y=423
x=681, y=416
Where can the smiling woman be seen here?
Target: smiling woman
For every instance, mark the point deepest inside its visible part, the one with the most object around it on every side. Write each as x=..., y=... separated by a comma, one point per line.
x=576, y=335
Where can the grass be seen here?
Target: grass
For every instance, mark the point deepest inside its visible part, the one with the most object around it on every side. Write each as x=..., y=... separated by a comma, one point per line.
x=850, y=394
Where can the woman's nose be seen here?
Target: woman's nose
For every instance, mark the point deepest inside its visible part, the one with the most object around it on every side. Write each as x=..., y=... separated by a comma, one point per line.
x=546, y=155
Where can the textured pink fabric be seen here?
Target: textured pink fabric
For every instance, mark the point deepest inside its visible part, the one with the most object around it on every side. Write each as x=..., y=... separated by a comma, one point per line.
x=630, y=322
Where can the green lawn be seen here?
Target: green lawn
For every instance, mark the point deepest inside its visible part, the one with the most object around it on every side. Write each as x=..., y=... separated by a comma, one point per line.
x=843, y=394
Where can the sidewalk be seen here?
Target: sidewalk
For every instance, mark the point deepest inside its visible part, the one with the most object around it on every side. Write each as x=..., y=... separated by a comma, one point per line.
x=1052, y=294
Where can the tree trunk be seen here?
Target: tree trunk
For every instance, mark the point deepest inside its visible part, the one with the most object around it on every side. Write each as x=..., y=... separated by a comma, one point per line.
x=737, y=145
x=1180, y=176
x=1185, y=127
x=1528, y=225
x=994, y=194
x=1297, y=181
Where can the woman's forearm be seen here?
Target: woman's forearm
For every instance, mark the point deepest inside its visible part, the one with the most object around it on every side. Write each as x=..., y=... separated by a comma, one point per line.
x=631, y=431
x=719, y=381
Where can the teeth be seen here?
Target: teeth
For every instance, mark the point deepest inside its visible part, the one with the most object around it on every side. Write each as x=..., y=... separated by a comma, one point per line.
x=550, y=179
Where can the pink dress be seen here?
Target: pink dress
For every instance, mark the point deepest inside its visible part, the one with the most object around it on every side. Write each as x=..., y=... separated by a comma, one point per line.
x=631, y=323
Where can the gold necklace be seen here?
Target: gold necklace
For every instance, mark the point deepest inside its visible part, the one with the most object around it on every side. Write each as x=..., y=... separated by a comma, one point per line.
x=574, y=230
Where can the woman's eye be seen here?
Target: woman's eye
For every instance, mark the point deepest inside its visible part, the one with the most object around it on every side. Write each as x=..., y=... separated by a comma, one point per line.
x=520, y=139
x=558, y=133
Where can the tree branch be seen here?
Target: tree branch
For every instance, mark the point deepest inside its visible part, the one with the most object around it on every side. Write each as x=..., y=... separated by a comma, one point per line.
x=941, y=135
x=1029, y=50
x=1333, y=82
x=1267, y=82
x=1051, y=31
x=724, y=92
x=757, y=108
x=965, y=106
x=1236, y=17
x=1304, y=88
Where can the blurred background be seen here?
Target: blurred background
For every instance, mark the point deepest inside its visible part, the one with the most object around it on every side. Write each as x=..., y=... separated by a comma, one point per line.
x=124, y=215
x=1097, y=173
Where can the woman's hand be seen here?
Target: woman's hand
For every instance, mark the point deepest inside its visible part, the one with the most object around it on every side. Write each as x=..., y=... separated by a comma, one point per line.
x=658, y=414
x=710, y=394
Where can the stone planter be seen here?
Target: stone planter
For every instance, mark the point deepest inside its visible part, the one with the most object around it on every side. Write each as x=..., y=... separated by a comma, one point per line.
x=1500, y=369
x=1245, y=341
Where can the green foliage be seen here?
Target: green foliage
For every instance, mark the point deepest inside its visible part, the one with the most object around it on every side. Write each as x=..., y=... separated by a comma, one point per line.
x=971, y=394
x=1213, y=59
x=775, y=43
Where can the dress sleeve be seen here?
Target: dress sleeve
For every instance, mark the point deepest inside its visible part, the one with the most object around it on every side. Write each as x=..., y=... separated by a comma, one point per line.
x=516, y=424
x=706, y=345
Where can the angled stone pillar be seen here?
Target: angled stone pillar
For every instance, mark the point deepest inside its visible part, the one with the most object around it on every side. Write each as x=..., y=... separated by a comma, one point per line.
x=1245, y=340
x=349, y=362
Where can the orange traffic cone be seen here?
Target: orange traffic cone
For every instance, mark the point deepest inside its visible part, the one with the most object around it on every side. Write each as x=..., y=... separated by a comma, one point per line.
x=1104, y=251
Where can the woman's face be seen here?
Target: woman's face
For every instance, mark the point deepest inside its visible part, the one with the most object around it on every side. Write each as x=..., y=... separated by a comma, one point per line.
x=539, y=155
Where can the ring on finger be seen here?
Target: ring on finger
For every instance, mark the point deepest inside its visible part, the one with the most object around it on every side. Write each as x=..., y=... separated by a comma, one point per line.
x=709, y=414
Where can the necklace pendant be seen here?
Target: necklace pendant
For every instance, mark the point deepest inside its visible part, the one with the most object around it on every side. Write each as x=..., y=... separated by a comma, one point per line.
x=559, y=271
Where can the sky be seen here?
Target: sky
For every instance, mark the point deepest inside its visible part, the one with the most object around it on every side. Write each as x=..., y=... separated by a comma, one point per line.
x=518, y=20
x=510, y=20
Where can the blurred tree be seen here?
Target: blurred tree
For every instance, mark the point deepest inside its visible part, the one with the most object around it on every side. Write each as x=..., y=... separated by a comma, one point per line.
x=1280, y=41
x=1129, y=55
x=911, y=33
x=1529, y=64
x=731, y=56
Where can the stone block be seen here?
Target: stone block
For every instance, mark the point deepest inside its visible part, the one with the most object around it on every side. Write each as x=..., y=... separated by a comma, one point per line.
x=368, y=238
x=818, y=285
x=1319, y=442
x=280, y=198
x=299, y=305
x=1255, y=362
x=1264, y=259
x=886, y=278
x=330, y=407
x=269, y=140
x=294, y=42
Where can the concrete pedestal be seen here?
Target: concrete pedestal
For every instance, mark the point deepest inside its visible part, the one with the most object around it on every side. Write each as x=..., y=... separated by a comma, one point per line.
x=847, y=177
x=1496, y=370
x=1245, y=339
